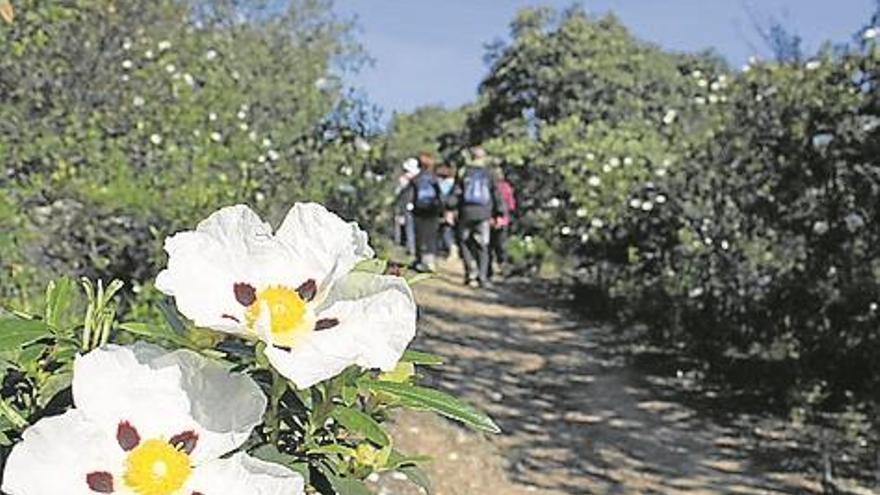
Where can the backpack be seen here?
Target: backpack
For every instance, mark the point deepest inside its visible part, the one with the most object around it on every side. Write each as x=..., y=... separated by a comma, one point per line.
x=478, y=187
x=427, y=193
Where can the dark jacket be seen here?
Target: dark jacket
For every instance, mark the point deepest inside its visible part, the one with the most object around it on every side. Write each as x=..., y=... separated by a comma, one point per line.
x=476, y=212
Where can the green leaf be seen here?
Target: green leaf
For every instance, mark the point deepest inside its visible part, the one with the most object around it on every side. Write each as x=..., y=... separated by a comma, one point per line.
x=398, y=459
x=422, y=358
x=375, y=265
x=347, y=486
x=436, y=401
x=53, y=385
x=16, y=332
x=59, y=298
x=359, y=422
x=156, y=331
x=417, y=476
x=419, y=278
x=270, y=453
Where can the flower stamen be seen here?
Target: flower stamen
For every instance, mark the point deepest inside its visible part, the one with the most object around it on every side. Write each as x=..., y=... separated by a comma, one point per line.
x=156, y=467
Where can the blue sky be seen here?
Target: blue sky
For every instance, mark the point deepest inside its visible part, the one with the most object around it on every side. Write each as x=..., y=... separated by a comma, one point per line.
x=430, y=51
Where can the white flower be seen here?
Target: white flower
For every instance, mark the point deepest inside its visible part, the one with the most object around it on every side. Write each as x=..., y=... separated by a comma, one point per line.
x=725, y=245
x=241, y=115
x=615, y=162
x=870, y=33
x=252, y=135
x=628, y=161
x=635, y=203
x=696, y=74
x=273, y=155
x=566, y=230
x=138, y=101
x=813, y=65
x=702, y=83
x=322, y=83
x=647, y=206
x=581, y=212
x=235, y=75
x=126, y=45
x=164, y=45
x=554, y=203
x=211, y=54
x=188, y=78
x=125, y=78
x=591, y=156
x=295, y=290
x=606, y=168
x=715, y=86
x=362, y=144
x=259, y=197
x=820, y=227
x=148, y=54
x=594, y=181
x=243, y=126
x=127, y=64
x=713, y=98
x=585, y=238
x=261, y=159
x=216, y=137
x=597, y=223
x=148, y=422
x=170, y=68
x=699, y=100
x=346, y=170
x=156, y=139
x=212, y=116
x=267, y=142
x=660, y=199
x=669, y=117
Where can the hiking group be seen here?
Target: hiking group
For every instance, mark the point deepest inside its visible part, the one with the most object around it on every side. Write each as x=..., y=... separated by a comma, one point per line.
x=466, y=214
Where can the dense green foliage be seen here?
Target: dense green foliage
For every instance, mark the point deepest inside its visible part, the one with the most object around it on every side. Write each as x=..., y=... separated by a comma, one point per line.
x=734, y=212
x=123, y=121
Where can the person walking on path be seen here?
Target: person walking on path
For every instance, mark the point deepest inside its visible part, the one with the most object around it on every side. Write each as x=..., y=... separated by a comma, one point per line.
x=404, y=225
x=501, y=224
x=447, y=243
x=427, y=205
x=478, y=201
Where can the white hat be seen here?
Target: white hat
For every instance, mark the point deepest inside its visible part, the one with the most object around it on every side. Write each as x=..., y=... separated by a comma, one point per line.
x=411, y=165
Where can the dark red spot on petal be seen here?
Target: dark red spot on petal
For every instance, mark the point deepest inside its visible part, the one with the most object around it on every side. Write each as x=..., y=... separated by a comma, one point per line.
x=325, y=323
x=127, y=436
x=245, y=294
x=197, y=493
x=283, y=348
x=185, y=441
x=230, y=317
x=100, y=481
x=308, y=290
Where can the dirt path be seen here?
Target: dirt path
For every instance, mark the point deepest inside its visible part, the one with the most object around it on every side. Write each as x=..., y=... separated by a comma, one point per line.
x=577, y=418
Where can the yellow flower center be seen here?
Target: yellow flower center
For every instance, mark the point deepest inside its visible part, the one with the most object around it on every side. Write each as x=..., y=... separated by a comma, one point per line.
x=155, y=467
x=288, y=314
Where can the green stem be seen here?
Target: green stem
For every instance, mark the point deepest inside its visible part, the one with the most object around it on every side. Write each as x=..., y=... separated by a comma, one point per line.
x=279, y=385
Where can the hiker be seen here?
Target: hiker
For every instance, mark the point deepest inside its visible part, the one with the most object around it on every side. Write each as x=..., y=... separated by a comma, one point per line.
x=427, y=206
x=404, y=225
x=446, y=241
x=501, y=224
x=477, y=201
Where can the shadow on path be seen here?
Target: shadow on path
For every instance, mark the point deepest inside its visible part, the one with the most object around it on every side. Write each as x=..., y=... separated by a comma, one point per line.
x=577, y=417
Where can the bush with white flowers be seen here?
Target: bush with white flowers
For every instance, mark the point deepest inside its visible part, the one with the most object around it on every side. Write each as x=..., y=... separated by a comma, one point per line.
x=286, y=349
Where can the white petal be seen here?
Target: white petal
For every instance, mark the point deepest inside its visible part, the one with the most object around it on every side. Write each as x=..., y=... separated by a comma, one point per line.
x=163, y=394
x=327, y=245
x=57, y=453
x=231, y=246
x=245, y=475
x=377, y=321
